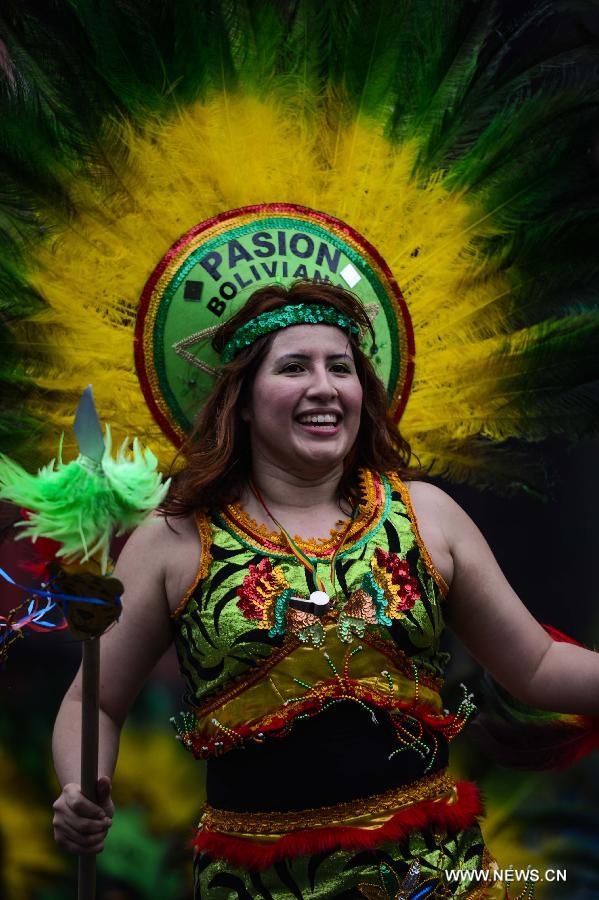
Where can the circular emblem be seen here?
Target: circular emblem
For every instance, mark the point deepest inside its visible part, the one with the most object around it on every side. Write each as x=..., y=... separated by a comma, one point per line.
x=210, y=272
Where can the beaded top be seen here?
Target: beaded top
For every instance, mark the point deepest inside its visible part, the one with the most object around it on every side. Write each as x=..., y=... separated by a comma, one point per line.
x=253, y=662
x=275, y=319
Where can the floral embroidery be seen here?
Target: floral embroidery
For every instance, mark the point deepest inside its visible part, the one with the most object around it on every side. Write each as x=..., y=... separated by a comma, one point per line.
x=393, y=887
x=399, y=587
x=305, y=626
x=264, y=596
x=384, y=594
x=358, y=611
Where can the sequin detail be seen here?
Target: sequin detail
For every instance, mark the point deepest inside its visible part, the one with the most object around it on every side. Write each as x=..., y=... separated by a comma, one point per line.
x=400, y=588
x=433, y=787
x=358, y=611
x=375, y=505
x=264, y=596
x=305, y=626
x=418, y=721
x=274, y=320
x=393, y=887
x=404, y=493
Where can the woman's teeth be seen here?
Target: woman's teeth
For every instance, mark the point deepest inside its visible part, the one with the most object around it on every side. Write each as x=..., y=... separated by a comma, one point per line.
x=324, y=419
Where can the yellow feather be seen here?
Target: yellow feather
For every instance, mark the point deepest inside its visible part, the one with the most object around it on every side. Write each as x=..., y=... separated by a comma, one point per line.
x=237, y=150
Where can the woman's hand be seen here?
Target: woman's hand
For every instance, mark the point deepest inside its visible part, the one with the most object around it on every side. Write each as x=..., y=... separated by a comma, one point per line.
x=81, y=826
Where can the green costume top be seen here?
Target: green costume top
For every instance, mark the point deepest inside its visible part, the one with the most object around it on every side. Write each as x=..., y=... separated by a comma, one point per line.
x=282, y=684
x=243, y=649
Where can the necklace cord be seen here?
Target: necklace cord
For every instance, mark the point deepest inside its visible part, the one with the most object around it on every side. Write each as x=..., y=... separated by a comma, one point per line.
x=297, y=552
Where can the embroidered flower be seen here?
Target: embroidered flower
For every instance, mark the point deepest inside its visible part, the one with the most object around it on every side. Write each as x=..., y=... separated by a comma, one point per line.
x=305, y=626
x=358, y=611
x=360, y=605
x=392, y=886
x=260, y=592
x=400, y=588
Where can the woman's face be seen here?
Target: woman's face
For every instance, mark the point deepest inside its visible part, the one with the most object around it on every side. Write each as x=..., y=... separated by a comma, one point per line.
x=306, y=401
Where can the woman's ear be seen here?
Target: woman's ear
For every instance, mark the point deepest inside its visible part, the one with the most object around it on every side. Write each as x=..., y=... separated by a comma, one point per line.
x=245, y=415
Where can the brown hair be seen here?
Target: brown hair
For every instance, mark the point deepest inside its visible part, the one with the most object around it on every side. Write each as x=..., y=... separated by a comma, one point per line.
x=217, y=451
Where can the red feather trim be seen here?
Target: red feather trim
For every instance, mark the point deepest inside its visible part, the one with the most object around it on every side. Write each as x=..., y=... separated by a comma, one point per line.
x=42, y=552
x=522, y=737
x=537, y=746
x=559, y=636
x=257, y=856
x=581, y=744
x=585, y=733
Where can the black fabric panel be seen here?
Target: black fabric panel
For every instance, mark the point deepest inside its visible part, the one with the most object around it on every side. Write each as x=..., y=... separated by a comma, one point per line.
x=333, y=757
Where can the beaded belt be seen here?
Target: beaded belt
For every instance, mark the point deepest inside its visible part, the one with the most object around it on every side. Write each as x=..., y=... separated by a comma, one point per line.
x=368, y=812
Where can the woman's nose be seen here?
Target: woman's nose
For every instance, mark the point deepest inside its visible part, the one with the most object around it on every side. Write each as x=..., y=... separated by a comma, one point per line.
x=322, y=383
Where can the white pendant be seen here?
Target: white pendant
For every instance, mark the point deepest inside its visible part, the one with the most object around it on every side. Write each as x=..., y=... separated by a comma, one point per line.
x=319, y=598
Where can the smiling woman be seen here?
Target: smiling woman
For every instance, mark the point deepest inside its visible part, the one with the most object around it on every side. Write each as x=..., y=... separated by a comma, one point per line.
x=311, y=653
x=312, y=419
x=264, y=368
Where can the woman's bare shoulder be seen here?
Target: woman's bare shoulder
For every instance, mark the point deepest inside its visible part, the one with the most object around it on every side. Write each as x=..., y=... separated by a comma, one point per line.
x=169, y=549
x=427, y=492
x=432, y=509
x=160, y=534
x=432, y=501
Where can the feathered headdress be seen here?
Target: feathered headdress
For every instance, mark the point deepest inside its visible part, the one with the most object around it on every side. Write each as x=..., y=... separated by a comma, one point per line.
x=449, y=156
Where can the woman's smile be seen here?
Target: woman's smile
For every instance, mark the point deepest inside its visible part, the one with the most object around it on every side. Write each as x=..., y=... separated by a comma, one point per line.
x=321, y=422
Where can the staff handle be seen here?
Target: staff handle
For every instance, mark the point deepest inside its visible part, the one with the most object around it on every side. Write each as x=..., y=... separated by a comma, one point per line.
x=90, y=723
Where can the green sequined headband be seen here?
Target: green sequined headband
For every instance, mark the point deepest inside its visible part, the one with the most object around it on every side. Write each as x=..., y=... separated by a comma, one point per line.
x=298, y=314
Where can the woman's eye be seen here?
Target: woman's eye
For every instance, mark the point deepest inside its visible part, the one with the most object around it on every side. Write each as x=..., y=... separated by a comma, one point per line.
x=296, y=367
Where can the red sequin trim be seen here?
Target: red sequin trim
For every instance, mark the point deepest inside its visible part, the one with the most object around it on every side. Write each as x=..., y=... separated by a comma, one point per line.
x=259, y=591
x=402, y=592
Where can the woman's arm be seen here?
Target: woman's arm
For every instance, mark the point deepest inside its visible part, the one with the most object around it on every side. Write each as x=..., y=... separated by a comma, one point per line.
x=499, y=631
x=128, y=652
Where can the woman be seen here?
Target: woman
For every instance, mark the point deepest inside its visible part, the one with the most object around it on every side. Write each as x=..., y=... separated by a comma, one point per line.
x=305, y=575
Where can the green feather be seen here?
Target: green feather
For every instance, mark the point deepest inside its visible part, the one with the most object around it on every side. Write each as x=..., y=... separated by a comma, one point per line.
x=80, y=504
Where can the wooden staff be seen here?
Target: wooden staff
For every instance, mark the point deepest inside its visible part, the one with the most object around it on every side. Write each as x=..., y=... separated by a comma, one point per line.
x=88, y=619
x=90, y=599
x=88, y=432
x=90, y=726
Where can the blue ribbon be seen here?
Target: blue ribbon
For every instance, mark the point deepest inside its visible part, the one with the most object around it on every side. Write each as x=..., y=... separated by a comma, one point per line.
x=62, y=597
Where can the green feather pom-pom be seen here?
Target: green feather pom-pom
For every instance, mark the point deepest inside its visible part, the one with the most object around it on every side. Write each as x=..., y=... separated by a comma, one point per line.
x=81, y=504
